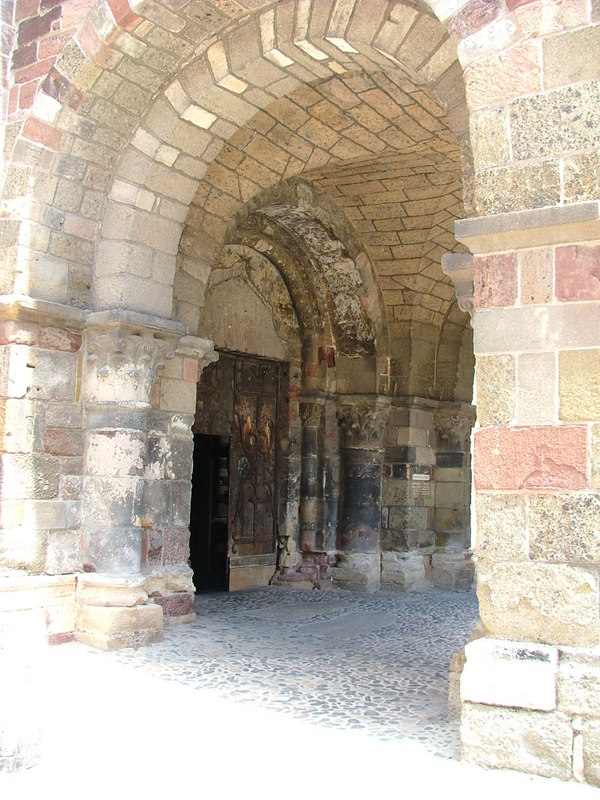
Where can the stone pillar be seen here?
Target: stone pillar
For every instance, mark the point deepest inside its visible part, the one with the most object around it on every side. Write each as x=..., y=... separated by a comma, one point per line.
x=124, y=353
x=311, y=477
x=362, y=424
x=451, y=563
x=529, y=688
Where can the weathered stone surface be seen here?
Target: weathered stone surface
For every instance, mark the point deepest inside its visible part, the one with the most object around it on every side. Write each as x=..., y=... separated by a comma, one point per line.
x=536, y=274
x=555, y=123
x=453, y=571
x=581, y=177
x=546, y=603
x=495, y=389
x=176, y=604
x=405, y=571
x=591, y=751
x=501, y=526
x=516, y=188
x=564, y=527
x=576, y=269
x=541, y=457
x=103, y=590
x=579, y=385
x=63, y=553
x=357, y=571
x=507, y=738
x=579, y=681
x=113, y=627
x=511, y=674
x=571, y=57
x=535, y=402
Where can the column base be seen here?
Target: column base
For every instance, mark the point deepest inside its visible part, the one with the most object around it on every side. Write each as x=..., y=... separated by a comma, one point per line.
x=406, y=571
x=113, y=627
x=454, y=571
x=358, y=572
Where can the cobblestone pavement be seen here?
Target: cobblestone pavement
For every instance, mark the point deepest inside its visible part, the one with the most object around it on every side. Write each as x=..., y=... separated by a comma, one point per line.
x=273, y=688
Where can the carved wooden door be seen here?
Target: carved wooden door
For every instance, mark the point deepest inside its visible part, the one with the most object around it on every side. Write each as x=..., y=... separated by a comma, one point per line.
x=252, y=503
x=238, y=397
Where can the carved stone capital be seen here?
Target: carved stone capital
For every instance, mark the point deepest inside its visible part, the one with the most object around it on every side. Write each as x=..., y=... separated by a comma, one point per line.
x=123, y=362
x=460, y=268
x=363, y=424
x=453, y=424
x=311, y=413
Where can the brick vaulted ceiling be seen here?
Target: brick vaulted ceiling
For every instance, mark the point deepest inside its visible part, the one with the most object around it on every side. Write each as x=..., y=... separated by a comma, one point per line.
x=377, y=146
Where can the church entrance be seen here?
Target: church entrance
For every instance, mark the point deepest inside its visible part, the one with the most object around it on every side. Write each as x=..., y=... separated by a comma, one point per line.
x=233, y=520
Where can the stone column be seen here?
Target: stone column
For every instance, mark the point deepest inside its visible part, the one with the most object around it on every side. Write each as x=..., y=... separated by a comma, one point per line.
x=311, y=477
x=362, y=426
x=124, y=353
x=451, y=563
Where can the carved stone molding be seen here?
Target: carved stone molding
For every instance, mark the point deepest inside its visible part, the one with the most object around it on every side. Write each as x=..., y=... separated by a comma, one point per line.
x=362, y=424
x=454, y=424
x=202, y=350
x=460, y=268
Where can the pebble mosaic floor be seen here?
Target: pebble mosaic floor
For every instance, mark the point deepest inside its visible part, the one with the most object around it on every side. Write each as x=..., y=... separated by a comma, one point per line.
x=377, y=663
x=331, y=694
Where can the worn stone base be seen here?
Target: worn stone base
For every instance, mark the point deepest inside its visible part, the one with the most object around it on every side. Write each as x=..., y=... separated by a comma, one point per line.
x=408, y=572
x=52, y=597
x=250, y=572
x=183, y=619
x=358, y=571
x=454, y=571
x=112, y=627
x=532, y=707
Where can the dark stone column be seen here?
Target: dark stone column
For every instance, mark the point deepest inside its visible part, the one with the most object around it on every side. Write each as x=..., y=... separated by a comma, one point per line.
x=362, y=423
x=311, y=477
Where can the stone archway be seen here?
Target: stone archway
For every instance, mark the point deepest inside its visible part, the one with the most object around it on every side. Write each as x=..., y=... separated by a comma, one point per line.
x=126, y=126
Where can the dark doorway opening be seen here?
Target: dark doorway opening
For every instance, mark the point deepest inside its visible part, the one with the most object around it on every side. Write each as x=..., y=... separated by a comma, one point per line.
x=209, y=512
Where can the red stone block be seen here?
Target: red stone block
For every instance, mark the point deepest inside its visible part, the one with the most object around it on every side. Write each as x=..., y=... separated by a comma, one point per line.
x=59, y=339
x=540, y=457
x=177, y=604
x=40, y=25
x=496, y=282
x=63, y=442
x=25, y=56
x=26, y=9
x=577, y=273
x=123, y=14
x=54, y=45
x=61, y=89
x=33, y=71
x=176, y=549
x=13, y=100
x=27, y=94
x=190, y=370
x=474, y=16
x=37, y=131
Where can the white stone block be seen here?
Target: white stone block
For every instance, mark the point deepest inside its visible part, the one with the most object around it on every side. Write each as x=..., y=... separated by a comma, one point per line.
x=511, y=674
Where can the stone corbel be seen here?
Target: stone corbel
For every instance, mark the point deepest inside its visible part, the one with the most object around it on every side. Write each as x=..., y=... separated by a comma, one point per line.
x=460, y=268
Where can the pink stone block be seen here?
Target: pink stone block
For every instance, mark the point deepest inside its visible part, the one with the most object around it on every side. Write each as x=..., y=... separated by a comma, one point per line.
x=577, y=273
x=496, y=283
x=190, y=370
x=540, y=457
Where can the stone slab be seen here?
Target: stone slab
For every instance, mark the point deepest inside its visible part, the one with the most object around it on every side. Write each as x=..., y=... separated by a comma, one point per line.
x=512, y=674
